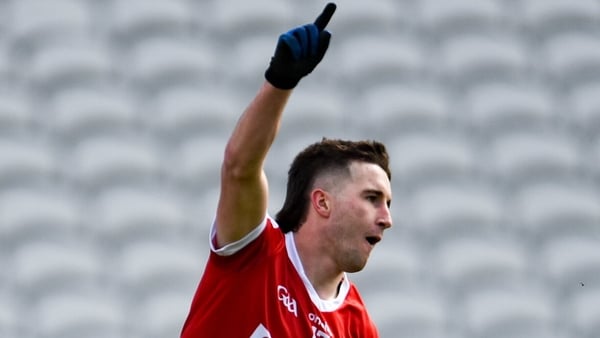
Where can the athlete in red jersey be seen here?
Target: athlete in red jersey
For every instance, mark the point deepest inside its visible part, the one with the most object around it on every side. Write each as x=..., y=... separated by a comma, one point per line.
x=257, y=287
x=286, y=277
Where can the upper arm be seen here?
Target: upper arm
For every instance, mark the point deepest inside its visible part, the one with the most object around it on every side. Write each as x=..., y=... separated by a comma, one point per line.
x=242, y=206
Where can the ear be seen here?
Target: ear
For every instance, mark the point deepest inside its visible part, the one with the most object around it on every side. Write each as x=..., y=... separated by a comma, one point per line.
x=320, y=201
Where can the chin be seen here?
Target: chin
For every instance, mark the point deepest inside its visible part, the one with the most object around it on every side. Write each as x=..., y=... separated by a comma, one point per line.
x=353, y=261
x=356, y=267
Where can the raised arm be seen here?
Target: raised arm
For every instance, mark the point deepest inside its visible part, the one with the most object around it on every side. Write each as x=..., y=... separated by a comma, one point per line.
x=244, y=190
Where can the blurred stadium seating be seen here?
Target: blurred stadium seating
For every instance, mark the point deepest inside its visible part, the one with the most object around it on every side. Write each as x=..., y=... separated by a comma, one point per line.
x=114, y=116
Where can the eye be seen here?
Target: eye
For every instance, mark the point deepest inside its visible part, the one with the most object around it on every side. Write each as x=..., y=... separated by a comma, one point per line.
x=372, y=198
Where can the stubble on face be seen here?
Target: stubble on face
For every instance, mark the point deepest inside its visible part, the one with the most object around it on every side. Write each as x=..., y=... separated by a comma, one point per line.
x=350, y=219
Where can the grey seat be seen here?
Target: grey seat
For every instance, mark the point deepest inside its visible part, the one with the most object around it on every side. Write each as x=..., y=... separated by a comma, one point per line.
x=102, y=162
x=506, y=312
x=44, y=267
x=572, y=59
x=70, y=315
x=545, y=18
x=122, y=214
x=443, y=19
x=134, y=21
x=475, y=58
x=33, y=213
x=148, y=267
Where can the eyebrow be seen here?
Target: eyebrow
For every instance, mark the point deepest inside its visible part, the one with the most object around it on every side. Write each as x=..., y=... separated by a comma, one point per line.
x=378, y=193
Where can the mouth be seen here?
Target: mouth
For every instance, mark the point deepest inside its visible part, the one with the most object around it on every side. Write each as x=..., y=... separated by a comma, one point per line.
x=373, y=240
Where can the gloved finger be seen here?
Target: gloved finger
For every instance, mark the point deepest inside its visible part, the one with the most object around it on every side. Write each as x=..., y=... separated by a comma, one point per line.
x=313, y=37
x=324, y=39
x=301, y=35
x=323, y=19
x=292, y=43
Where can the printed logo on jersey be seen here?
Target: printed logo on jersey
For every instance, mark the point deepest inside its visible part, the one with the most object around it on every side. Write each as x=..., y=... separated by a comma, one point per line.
x=319, y=327
x=261, y=332
x=284, y=297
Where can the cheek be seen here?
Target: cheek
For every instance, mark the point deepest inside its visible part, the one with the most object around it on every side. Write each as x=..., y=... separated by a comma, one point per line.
x=351, y=217
x=357, y=209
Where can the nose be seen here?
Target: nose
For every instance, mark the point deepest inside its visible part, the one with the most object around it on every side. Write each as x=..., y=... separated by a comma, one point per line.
x=385, y=218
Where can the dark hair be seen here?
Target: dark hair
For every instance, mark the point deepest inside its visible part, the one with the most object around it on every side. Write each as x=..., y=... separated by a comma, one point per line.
x=320, y=157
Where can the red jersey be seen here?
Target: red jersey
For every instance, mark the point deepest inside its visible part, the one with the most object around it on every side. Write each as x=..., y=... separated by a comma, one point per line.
x=257, y=288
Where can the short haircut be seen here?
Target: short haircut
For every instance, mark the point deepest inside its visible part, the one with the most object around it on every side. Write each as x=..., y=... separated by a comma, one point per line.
x=328, y=155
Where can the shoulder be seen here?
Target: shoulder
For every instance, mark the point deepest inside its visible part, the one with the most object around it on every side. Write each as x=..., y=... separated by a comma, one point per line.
x=266, y=233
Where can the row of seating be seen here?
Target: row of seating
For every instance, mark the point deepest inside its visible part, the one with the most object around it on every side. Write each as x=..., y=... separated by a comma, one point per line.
x=114, y=115
x=465, y=61
x=428, y=209
x=98, y=163
x=467, y=287
x=37, y=267
x=176, y=107
x=128, y=18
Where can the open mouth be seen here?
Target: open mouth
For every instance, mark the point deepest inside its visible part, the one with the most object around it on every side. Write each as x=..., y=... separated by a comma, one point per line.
x=373, y=239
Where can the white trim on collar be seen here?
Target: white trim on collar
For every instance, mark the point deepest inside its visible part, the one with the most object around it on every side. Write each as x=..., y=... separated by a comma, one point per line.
x=322, y=304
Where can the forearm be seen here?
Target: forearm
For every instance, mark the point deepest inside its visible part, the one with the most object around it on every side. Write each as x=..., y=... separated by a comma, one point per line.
x=255, y=132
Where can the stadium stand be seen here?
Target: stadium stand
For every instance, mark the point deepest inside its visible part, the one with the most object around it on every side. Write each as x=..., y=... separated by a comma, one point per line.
x=37, y=24
x=43, y=268
x=412, y=312
x=69, y=64
x=312, y=110
x=440, y=20
x=231, y=17
x=509, y=312
x=572, y=59
x=497, y=107
x=569, y=261
x=146, y=268
x=134, y=21
x=70, y=315
x=114, y=117
x=383, y=59
x=473, y=58
x=24, y=162
x=195, y=162
x=80, y=113
x=9, y=323
x=162, y=314
x=523, y=157
x=123, y=214
x=584, y=108
x=478, y=262
x=406, y=108
x=419, y=158
x=362, y=17
x=101, y=162
x=55, y=215
x=582, y=312
x=545, y=18
x=556, y=202
x=158, y=63
x=181, y=112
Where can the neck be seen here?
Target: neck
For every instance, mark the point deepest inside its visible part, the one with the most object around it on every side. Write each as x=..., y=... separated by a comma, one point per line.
x=318, y=266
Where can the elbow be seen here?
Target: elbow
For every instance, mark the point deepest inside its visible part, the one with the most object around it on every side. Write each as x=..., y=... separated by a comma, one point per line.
x=237, y=165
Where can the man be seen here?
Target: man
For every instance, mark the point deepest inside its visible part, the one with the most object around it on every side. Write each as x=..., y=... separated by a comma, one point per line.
x=287, y=277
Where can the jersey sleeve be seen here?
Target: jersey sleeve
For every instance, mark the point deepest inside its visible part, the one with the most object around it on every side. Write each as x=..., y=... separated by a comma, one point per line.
x=232, y=248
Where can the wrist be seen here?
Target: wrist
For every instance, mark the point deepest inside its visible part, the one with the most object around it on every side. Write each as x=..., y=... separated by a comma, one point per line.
x=280, y=80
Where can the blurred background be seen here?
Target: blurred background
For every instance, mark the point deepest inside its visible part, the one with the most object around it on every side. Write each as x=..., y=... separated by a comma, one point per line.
x=114, y=115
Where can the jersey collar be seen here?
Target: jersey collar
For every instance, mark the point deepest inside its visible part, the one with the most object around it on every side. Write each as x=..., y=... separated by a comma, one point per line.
x=322, y=304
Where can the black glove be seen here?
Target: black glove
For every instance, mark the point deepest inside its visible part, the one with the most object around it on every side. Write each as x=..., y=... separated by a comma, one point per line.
x=299, y=51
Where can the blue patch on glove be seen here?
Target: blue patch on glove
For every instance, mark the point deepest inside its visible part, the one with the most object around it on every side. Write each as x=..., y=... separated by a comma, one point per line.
x=303, y=41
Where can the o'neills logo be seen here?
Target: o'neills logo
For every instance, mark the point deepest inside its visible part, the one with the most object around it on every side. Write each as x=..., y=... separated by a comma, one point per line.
x=284, y=297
